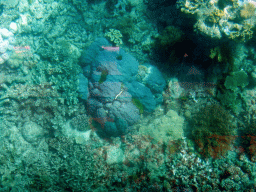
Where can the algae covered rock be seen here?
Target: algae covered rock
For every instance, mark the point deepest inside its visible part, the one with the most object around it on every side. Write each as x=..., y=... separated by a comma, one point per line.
x=170, y=35
x=115, y=155
x=236, y=79
x=231, y=100
x=150, y=76
x=165, y=128
x=32, y=132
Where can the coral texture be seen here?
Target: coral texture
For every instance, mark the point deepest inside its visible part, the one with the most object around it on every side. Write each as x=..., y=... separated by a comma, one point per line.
x=219, y=19
x=213, y=131
x=113, y=88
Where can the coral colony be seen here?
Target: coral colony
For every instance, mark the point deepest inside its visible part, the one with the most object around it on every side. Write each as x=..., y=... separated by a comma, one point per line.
x=6, y=42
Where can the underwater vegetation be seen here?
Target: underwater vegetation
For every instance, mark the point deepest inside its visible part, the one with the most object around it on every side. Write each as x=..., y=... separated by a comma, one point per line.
x=236, y=62
x=138, y=104
x=222, y=53
x=230, y=95
x=166, y=41
x=213, y=131
x=248, y=140
x=236, y=79
x=170, y=35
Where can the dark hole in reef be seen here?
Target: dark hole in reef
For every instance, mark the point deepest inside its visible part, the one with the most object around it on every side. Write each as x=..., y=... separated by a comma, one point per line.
x=209, y=22
x=94, y=1
x=110, y=5
x=119, y=57
x=128, y=8
x=185, y=51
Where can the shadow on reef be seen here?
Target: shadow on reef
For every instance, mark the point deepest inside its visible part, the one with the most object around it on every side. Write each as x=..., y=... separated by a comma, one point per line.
x=163, y=13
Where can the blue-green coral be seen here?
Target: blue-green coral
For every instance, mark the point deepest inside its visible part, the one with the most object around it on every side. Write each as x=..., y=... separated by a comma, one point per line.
x=231, y=95
x=236, y=80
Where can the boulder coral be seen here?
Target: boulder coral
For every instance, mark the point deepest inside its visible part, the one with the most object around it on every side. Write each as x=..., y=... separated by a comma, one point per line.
x=113, y=88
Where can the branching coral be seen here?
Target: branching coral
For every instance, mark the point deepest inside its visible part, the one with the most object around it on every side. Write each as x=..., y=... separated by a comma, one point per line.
x=221, y=18
x=115, y=36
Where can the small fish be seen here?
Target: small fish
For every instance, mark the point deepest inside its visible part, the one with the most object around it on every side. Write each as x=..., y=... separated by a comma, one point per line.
x=112, y=49
x=21, y=48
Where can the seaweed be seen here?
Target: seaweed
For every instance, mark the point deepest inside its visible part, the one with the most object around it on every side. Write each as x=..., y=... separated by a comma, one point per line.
x=213, y=130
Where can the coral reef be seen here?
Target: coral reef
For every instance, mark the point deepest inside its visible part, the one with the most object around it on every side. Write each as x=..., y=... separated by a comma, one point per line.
x=239, y=74
x=139, y=163
x=32, y=132
x=213, y=131
x=236, y=79
x=250, y=141
x=7, y=42
x=220, y=19
x=170, y=35
x=231, y=100
x=150, y=76
x=48, y=139
x=248, y=10
x=37, y=103
x=230, y=97
x=80, y=122
x=248, y=133
x=9, y=4
x=165, y=128
x=115, y=36
x=113, y=88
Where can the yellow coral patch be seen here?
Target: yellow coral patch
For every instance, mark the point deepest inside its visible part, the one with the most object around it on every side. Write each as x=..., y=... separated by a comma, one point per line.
x=248, y=10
